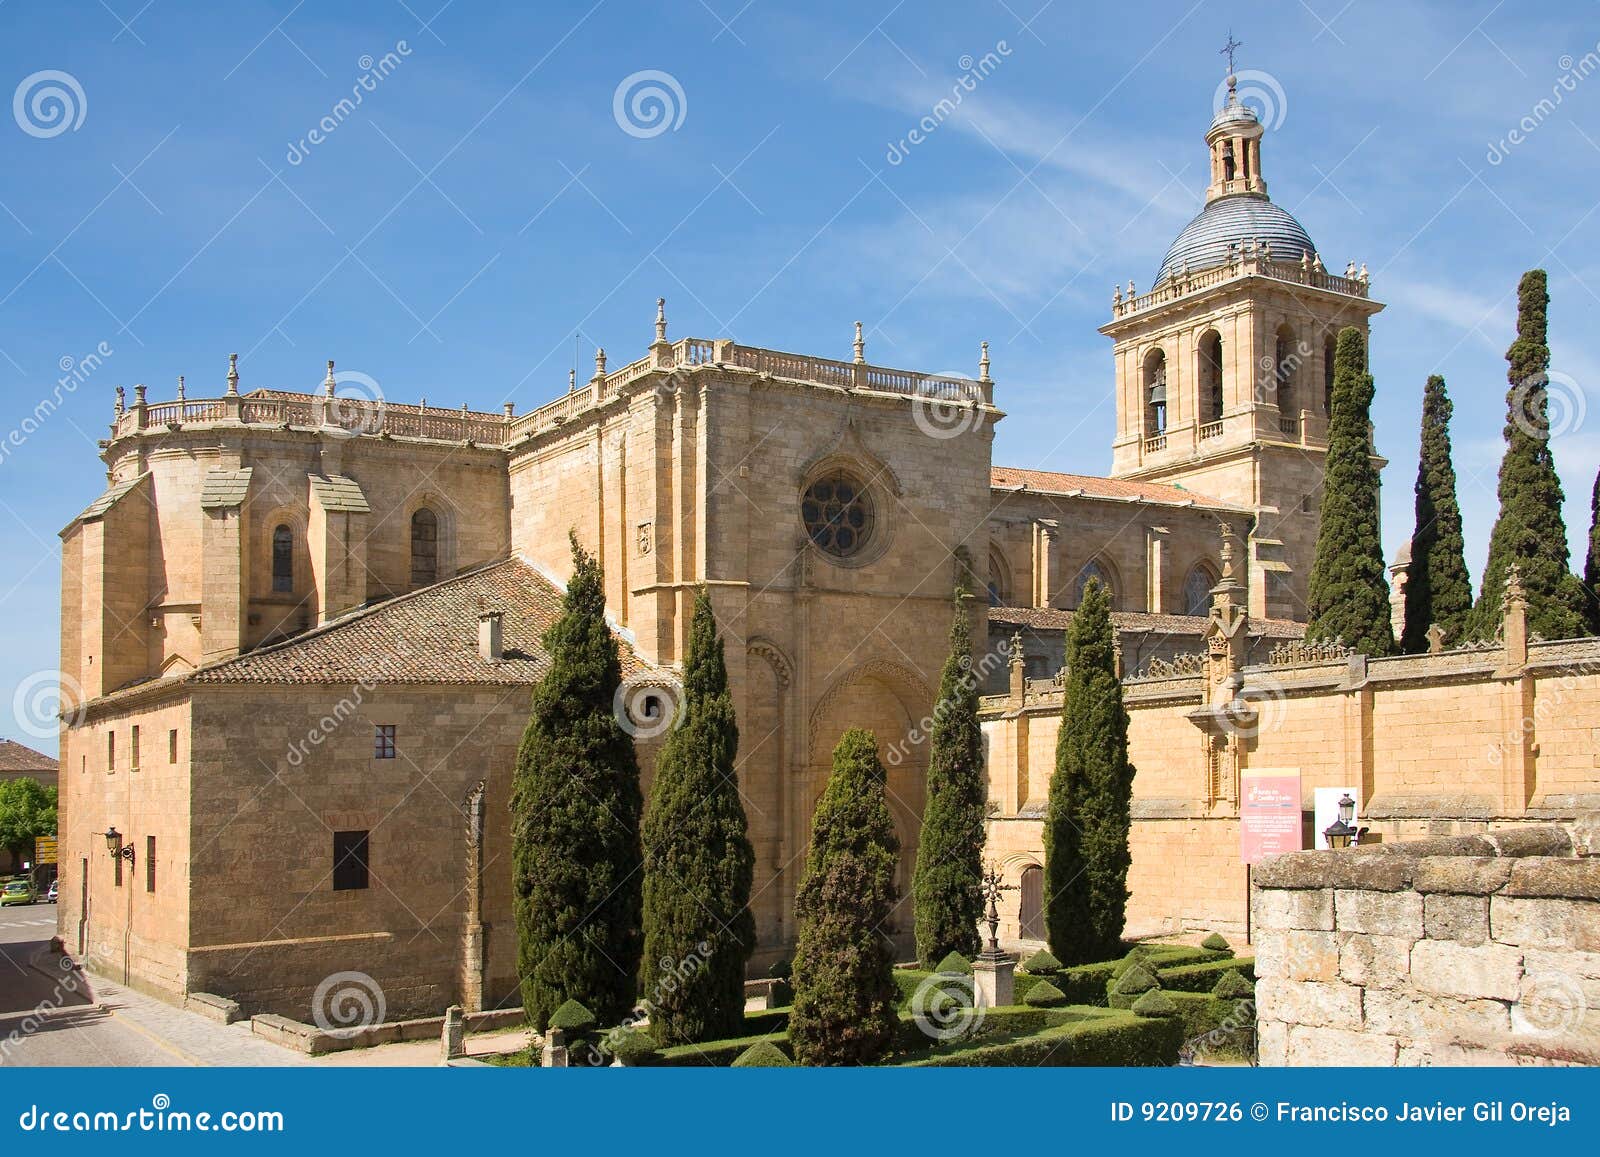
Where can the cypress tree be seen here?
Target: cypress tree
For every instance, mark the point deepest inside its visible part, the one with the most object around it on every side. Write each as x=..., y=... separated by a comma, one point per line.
x=1089, y=819
x=1349, y=589
x=699, y=864
x=844, y=990
x=1438, y=589
x=575, y=804
x=945, y=888
x=1591, y=565
x=1530, y=530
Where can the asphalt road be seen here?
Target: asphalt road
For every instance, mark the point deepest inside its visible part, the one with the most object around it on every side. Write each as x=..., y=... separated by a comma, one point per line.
x=46, y=1015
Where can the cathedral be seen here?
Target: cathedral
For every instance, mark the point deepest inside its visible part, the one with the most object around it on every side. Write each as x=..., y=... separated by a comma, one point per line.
x=302, y=626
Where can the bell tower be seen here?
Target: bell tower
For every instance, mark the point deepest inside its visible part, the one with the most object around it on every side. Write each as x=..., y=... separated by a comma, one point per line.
x=1224, y=368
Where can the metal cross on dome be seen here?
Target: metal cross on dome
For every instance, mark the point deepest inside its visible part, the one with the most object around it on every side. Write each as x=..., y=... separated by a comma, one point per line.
x=1230, y=48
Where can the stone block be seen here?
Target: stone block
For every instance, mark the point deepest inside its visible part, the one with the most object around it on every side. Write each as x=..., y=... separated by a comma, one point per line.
x=1464, y=919
x=1559, y=879
x=1381, y=961
x=1463, y=875
x=1382, y=913
x=1299, y=955
x=1531, y=841
x=1366, y=869
x=1280, y=909
x=1488, y=971
x=1530, y=922
x=1320, y=1047
x=1272, y=1043
x=1309, y=1003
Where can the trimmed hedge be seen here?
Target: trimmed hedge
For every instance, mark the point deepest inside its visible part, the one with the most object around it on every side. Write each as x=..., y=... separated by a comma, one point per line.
x=718, y=1054
x=1219, y=1029
x=762, y=1055
x=1204, y=977
x=954, y=964
x=1233, y=986
x=1114, y=1039
x=1041, y=963
x=1044, y=995
x=1154, y=1002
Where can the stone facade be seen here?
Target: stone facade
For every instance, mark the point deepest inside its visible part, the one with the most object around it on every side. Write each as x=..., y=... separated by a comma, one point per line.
x=1473, y=950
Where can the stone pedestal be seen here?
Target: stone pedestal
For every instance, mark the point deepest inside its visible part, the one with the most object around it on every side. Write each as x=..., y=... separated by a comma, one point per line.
x=994, y=980
x=453, y=1042
x=554, y=1054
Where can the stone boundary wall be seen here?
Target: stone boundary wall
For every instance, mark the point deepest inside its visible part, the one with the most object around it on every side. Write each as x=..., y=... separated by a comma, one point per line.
x=1470, y=950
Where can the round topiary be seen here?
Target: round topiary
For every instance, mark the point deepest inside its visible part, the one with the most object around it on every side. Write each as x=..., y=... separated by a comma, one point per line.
x=1232, y=985
x=762, y=1055
x=1155, y=1003
x=1215, y=943
x=572, y=1018
x=1041, y=963
x=1044, y=995
x=630, y=1046
x=955, y=964
x=1136, y=980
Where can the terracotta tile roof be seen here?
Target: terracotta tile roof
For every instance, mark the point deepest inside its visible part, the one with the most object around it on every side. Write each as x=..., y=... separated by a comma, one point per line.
x=15, y=757
x=1090, y=486
x=1050, y=619
x=427, y=636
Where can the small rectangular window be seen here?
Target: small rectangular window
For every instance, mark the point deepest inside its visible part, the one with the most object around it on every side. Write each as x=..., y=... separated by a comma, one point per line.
x=133, y=748
x=172, y=746
x=349, y=861
x=149, y=863
x=111, y=751
x=383, y=741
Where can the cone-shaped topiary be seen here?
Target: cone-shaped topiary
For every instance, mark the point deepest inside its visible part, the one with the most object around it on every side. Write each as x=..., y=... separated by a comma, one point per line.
x=698, y=862
x=1438, y=590
x=1155, y=1003
x=945, y=889
x=955, y=964
x=1136, y=954
x=1530, y=530
x=572, y=1018
x=1088, y=819
x=1232, y=985
x=844, y=1003
x=1349, y=591
x=1216, y=942
x=1044, y=995
x=1591, y=565
x=1041, y=963
x=1135, y=980
x=762, y=1055
x=575, y=804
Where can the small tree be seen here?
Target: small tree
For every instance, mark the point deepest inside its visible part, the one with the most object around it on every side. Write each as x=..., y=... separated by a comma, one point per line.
x=949, y=873
x=1349, y=590
x=844, y=990
x=575, y=804
x=699, y=865
x=1530, y=530
x=1089, y=819
x=1438, y=590
x=27, y=811
x=1591, y=565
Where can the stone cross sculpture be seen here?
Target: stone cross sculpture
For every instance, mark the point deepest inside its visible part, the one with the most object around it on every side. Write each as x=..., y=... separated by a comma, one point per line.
x=993, y=972
x=992, y=887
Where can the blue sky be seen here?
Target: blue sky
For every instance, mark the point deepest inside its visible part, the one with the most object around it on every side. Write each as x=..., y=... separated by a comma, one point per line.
x=483, y=210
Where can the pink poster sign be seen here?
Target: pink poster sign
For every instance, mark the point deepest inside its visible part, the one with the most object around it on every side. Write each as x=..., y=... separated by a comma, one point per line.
x=1269, y=813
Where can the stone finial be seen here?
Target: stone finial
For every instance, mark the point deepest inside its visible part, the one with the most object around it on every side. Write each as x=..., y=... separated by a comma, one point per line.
x=661, y=320
x=122, y=400
x=1116, y=295
x=1017, y=682
x=600, y=364
x=1435, y=639
x=572, y=380
x=422, y=402
x=1365, y=276
x=1316, y=263
x=983, y=362
x=1229, y=545
x=860, y=346
x=510, y=410
x=328, y=383
x=138, y=394
x=1516, y=594
x=1350, y=270
x=180, y=387
x=1132, y=293
x=1305, y=261
x=233, y=375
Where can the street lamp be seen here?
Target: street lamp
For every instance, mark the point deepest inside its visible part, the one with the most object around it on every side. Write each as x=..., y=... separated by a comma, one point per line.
x=115, y=846
x=1340, y=832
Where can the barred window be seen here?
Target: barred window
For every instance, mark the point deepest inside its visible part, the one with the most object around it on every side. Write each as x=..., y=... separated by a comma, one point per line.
x=383, y=741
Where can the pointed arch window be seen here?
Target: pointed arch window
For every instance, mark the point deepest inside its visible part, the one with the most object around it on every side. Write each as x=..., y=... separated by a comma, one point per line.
x=1197, y=590
x=282, y=560
x=424, y=548
x=1093, y=569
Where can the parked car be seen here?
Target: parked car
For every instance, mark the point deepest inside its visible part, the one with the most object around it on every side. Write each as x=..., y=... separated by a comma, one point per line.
x=18, y=892
x=55, y=889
